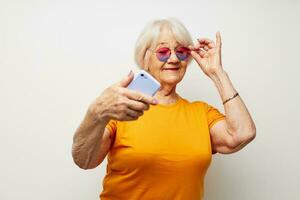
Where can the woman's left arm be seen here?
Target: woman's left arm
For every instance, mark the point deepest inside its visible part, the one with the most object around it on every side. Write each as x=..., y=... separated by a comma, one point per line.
x=238, y=129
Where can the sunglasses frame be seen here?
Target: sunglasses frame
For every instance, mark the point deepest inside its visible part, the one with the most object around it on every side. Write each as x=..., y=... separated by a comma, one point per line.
x=175, y=50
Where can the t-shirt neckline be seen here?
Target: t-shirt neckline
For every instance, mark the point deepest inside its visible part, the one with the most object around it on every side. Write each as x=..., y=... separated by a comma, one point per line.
x=169, y=105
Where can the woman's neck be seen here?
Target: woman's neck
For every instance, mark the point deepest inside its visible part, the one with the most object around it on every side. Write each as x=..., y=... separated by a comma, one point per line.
x=166, y=94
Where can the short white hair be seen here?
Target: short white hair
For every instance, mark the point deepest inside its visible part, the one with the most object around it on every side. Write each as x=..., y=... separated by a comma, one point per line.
x=151, y=32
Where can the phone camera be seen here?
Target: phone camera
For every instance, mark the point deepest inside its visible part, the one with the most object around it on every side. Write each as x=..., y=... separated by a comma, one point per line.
x=142, y=74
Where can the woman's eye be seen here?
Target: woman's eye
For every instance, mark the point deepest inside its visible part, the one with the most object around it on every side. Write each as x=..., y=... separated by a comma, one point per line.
x=163, y=50
x=182, y=50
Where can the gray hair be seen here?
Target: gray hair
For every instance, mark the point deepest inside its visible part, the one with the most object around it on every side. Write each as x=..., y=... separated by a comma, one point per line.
x=151, y=33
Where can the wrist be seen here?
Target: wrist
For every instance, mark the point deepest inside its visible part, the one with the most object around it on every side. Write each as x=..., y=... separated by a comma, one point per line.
x=219, y=78
x=223, y=83
x=97, y=114
x=217, y=74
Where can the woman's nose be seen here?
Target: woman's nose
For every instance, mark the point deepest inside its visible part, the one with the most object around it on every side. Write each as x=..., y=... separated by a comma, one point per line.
x=173, y=58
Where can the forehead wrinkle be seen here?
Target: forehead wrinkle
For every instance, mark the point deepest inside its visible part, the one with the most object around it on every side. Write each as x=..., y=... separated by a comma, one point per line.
x=168, y=44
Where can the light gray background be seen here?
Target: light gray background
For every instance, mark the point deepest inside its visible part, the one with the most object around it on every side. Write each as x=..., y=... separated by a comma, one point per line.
x=57, y=56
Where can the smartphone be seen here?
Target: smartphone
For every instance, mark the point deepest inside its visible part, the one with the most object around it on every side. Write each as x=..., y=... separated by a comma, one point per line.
x=145, y=83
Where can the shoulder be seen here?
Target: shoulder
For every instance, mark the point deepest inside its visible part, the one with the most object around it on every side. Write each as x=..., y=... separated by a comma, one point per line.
x=197, y=104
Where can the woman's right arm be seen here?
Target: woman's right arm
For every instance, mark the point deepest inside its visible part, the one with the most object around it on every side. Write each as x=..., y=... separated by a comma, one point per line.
x=91, y=141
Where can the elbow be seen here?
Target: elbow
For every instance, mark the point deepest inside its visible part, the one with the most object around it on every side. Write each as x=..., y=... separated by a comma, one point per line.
x=248, y=132
x=241, y=137
x=83, y=165
x=252, y=132
x=81, y=162
x=246, y=136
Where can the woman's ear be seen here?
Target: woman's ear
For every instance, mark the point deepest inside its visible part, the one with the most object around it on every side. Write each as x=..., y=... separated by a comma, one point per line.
x=146, y=61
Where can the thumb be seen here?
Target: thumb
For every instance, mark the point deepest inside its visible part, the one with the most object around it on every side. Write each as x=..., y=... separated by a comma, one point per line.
x=126, y=80
x=196, y=57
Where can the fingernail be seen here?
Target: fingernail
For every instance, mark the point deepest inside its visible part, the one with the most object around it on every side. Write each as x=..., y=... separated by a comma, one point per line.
x=129, y=73
x=154, y=101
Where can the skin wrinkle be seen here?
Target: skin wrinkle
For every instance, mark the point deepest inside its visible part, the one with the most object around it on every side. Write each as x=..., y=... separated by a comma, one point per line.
x=208, y=56
x=167, y=93
x=228, y=135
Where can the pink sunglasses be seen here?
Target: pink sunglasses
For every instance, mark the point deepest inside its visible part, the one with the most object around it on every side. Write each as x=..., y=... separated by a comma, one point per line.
x=164, y=53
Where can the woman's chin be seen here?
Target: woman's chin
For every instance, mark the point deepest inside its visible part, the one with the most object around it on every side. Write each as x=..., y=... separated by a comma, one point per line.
x=170, y=77
x=170, y=80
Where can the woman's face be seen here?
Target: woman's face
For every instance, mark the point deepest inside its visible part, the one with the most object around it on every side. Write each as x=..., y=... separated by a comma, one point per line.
x=172, y=71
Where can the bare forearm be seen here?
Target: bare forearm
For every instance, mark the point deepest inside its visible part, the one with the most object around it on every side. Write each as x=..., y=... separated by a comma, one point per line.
x=239, y=122
x=87, y=140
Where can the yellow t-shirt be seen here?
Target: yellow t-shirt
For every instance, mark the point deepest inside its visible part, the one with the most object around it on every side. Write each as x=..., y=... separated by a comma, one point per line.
x=163, y=155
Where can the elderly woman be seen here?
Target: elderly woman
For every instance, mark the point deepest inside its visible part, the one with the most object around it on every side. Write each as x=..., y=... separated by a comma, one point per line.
x=160, y=147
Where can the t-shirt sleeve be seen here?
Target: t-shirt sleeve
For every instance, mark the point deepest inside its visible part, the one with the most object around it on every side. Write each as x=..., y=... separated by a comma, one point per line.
x=213, y=115
x=112, y=127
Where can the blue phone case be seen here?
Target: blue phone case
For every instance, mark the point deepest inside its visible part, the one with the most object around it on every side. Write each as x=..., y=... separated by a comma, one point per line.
x=145, y=83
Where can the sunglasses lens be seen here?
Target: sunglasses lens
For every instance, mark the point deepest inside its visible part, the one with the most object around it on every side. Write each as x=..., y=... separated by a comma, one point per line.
x=182, y=53
x=163, y=54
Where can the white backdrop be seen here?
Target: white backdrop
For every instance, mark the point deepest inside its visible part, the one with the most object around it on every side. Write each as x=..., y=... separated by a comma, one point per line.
x=57, y=56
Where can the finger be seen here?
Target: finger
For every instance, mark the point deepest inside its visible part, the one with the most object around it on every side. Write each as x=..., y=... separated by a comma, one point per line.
x=127, y=118
x=218, y=39
x=211, y=45
x=196, y=46
x=198, y=50
x=208, y=42
x=134, y=113
x=197, y=57
x=202, y=53
x=126, y=80
x=137, y=105
x=206, y=48
x=205, y=40
x=137, y=96
x=123, y=117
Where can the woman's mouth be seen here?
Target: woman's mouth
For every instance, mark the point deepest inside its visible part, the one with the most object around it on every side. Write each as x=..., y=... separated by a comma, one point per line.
x=171, y=69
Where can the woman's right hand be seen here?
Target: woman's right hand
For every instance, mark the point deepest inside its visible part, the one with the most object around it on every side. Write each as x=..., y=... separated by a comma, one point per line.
x=119, y=103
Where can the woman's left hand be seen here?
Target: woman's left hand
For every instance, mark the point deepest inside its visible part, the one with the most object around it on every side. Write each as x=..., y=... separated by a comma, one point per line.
x=208, y=55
